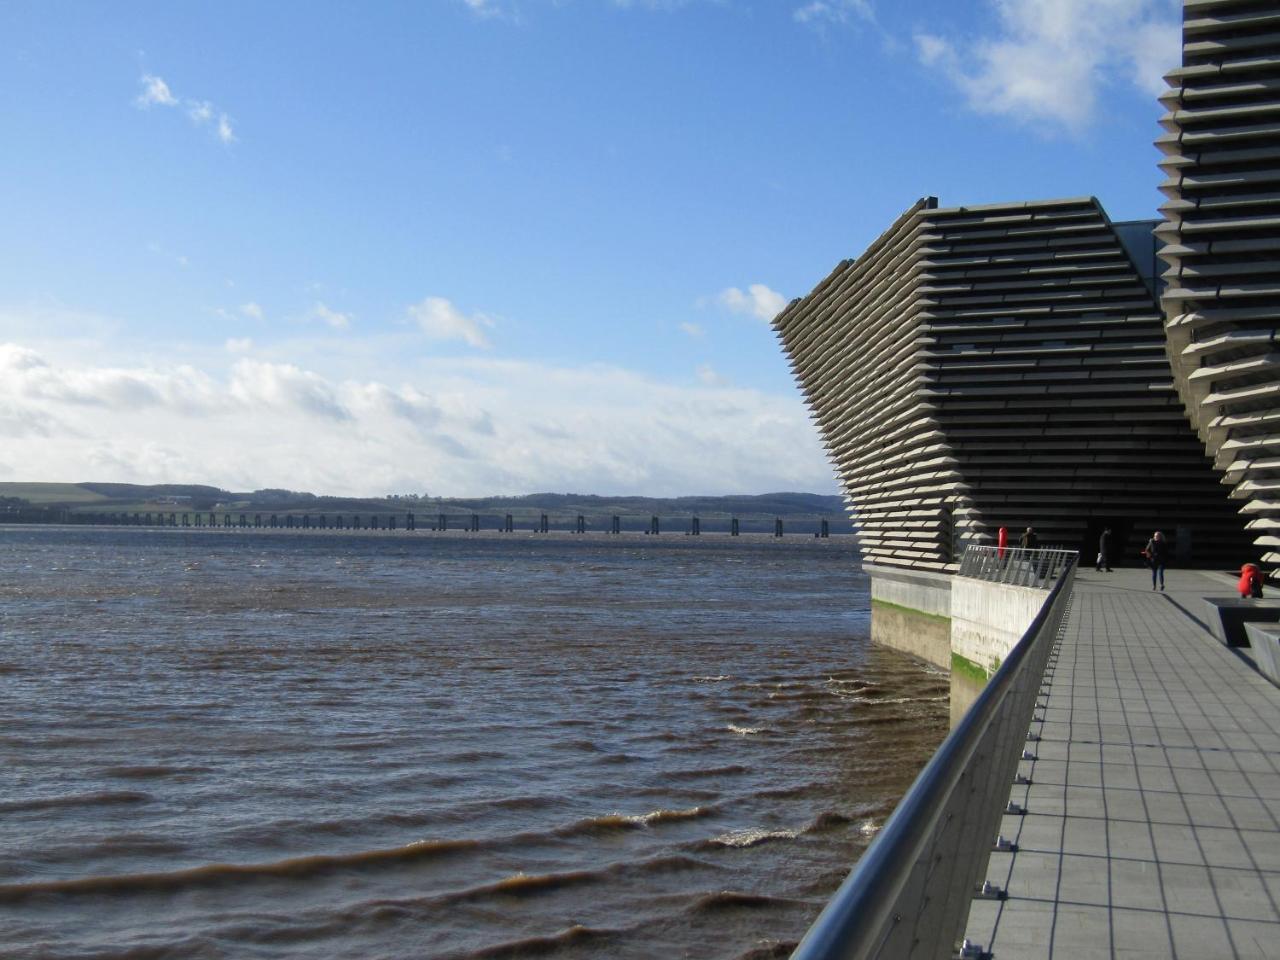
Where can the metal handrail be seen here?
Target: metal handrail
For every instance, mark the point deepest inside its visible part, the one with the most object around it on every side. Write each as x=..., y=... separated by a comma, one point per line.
x=1019, y=566
x=910, y=893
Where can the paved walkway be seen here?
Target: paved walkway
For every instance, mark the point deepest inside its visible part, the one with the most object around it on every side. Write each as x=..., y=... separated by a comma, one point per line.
x=1152, y=825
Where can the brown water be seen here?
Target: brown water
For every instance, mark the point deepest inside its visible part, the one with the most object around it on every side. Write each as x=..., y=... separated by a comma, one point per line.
x=323, y=745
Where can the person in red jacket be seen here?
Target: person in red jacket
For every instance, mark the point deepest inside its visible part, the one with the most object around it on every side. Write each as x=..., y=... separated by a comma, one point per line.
x=1250, y=584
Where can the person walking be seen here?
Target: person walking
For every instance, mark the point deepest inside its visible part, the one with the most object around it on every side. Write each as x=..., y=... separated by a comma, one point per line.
x=1029, y=540
x=1157, y=552
x=1104, y=550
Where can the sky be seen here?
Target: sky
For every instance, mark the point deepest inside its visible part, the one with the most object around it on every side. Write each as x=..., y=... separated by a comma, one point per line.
x=475, y=247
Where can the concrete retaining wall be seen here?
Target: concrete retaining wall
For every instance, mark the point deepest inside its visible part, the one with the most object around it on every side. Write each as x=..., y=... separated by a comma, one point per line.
x=911, y=612
x=962, y=625
x=988, y=619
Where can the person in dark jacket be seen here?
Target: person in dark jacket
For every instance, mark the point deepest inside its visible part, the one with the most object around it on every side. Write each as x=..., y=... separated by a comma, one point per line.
x=1157, y=552
x=1029, y=540
x=1104, y=550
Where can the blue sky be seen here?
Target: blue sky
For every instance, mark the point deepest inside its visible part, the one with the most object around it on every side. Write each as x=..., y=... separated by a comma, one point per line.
x=480, y=246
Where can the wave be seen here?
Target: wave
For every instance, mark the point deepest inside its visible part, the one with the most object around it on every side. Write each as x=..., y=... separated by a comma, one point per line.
x=744, y=731
x=304, y=866
x=797, y=790
x=216, y=873
x=827, y=820
x=770, y=950
x=733, y=899
x=699, y=772
x=524, y=884
x=474, y=756
x=149, y=771
x=97, y=798
x=750, y=837
x=621, y=821
x=576, y=935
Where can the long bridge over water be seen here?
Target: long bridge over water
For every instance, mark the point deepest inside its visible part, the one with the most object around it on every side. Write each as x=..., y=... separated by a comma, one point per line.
x=652, y=525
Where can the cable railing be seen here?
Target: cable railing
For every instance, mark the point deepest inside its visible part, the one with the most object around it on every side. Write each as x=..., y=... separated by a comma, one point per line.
x=910, y=893
x=1017, y=566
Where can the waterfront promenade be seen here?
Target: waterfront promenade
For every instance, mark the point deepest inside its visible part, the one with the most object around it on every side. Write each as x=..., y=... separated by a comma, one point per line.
x=1152, y=823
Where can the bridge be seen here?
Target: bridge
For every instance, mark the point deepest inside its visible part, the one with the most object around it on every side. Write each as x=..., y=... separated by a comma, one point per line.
x=616, y=524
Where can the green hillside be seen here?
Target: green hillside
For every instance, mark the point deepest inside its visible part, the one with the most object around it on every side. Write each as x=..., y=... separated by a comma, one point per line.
x=97, y=497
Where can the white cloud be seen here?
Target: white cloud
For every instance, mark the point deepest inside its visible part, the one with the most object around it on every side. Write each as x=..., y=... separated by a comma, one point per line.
x=181, y=259
x=238, y=345
x=225, y=133
x=28, y=377
x=510, y=10
x=335, y=319
x=459, y=426
x=251, y=310
x=200, y=111
x=441, y=320
x=708, y=375
x=282, y=387
x=692, y=330
x=155, y=93
x=1049, y=60
x=757, y=301
x=819, y=13
x=488, y=9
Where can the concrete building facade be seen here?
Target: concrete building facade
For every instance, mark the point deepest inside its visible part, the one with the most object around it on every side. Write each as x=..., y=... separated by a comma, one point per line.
x=1222, y=245
x=1005, y=365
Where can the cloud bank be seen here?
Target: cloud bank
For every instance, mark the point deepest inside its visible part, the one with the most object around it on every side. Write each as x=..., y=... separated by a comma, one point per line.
x=456, y=426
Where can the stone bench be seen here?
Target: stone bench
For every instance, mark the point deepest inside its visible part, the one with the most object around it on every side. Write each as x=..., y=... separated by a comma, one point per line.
x=1228, y=616
x=1264, y=641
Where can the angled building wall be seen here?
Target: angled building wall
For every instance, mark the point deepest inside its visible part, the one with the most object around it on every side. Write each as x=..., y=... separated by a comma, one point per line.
x=1222, y=246
x=1004, y=365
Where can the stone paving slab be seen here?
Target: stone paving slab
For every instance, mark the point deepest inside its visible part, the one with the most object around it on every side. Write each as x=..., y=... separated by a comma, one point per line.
x=1152, y=824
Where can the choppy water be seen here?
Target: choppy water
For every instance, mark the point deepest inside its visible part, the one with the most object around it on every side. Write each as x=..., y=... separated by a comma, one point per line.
x=270, y=745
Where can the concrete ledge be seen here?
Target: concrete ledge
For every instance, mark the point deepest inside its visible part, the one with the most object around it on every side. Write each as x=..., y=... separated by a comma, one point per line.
x=1228, y=616
x=1265, y=643
x=920, y=590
